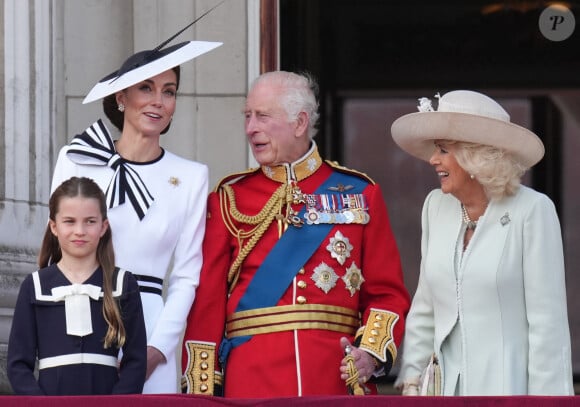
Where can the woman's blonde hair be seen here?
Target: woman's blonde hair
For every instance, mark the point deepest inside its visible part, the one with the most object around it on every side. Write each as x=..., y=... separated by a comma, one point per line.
x=50, y=251
x=494, y=168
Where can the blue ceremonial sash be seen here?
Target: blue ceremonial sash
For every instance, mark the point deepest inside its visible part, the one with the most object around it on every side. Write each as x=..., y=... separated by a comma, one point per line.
x=286, y=258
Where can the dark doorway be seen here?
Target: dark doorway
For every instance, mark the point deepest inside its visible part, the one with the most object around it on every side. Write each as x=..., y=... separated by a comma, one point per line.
x=381, y=47
x=374, y=58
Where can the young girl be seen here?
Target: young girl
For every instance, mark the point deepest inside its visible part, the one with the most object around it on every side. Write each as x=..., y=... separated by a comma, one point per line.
x=76, y=312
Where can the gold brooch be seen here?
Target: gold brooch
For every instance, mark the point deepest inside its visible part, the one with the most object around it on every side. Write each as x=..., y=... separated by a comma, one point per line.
x=174, y=181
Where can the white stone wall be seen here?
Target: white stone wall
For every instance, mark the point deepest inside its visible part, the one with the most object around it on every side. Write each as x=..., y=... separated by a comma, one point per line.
x=53, y=52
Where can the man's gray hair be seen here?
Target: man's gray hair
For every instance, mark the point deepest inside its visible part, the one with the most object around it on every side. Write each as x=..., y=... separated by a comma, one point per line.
x=300, y=95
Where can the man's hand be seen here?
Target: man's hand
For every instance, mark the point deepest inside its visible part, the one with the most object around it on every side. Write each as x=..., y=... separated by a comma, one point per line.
x=365, y=364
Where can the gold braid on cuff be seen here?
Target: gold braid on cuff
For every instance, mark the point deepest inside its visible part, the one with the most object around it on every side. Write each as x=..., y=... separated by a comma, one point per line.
x=200, y=375
x=377, y=336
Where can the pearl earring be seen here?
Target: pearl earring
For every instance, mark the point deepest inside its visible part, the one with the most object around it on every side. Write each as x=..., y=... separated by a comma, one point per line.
x=121, y=107
x=471, y=176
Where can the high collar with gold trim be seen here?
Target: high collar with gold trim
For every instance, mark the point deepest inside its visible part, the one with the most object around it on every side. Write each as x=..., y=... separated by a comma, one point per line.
x=297, y=170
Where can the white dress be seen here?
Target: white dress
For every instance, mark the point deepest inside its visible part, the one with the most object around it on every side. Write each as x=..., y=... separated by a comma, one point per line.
x=169, y=235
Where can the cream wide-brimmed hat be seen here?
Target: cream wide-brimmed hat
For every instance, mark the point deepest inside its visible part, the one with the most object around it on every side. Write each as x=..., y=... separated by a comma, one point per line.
x=464, y=115
x=146, y=64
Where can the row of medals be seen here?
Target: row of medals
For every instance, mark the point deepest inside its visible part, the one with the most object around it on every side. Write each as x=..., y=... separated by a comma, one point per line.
x=347, y=216
x=335, y=208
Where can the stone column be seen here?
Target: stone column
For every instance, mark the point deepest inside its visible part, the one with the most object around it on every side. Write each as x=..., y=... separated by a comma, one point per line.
x=24, y=150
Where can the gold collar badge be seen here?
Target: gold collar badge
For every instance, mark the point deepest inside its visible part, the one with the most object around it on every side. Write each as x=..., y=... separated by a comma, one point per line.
x=297, y=170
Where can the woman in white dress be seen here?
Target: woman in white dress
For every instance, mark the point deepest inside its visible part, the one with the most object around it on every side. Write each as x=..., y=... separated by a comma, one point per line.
x=491, y=300
x=156, y=199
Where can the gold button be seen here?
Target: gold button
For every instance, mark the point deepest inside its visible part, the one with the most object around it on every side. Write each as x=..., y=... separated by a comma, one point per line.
x=302, y=271
x=377, y=325
x=204, y=355
x=204, y=377
x=301, y=299
x=374, y=332
x=203, y=366
x=372, y=340
x=302, y=284
x=379, y=317
x=203, y=388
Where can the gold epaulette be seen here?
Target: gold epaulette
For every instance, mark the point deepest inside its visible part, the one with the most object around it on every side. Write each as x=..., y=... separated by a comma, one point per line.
x=234, y=177
x=350, y=171
x=377, y=335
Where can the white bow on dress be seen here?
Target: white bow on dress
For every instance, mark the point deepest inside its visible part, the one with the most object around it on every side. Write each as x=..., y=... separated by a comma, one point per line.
x=77, y=306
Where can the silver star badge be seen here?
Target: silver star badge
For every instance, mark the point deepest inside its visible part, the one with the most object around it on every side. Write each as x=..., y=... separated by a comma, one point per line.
x=324, y=277
x=339, y=247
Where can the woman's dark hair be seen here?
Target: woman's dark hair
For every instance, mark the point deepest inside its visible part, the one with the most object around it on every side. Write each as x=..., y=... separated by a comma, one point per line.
x=116, y=117
x=50, y=251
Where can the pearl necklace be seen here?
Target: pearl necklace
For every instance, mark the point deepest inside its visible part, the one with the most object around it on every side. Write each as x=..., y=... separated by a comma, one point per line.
x=470, y=224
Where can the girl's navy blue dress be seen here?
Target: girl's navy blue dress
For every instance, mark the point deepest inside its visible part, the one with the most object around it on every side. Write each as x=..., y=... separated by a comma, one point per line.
x=72, y=364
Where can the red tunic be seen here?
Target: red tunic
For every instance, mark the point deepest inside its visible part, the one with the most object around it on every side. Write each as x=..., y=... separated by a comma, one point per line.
x=300, y=361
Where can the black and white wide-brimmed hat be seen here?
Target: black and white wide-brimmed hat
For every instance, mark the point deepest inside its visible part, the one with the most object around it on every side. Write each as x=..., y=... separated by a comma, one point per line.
x=146, y=64
x=465, y=115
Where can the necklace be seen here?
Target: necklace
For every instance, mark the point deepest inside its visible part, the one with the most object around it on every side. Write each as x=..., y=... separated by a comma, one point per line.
x=471, y=224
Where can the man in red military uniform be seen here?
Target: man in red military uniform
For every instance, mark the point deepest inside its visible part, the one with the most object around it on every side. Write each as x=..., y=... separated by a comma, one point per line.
x=300, y=266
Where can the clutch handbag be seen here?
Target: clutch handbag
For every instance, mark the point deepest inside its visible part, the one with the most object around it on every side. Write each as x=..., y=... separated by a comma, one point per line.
x=430, y=382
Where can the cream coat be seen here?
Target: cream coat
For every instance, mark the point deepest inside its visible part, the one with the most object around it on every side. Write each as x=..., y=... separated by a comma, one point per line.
x=509, y=295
